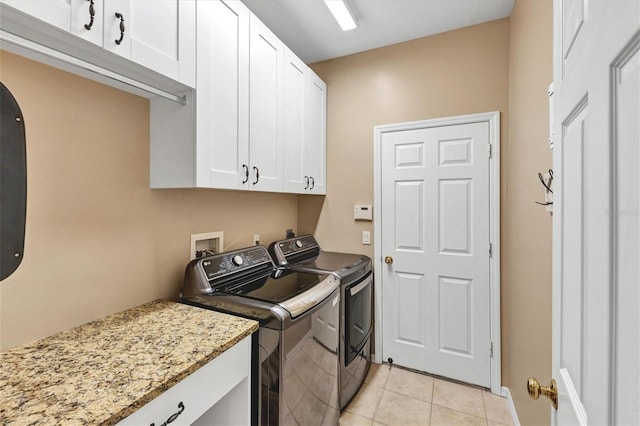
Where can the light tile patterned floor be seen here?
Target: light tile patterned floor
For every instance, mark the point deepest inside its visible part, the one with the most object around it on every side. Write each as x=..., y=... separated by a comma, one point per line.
x=393, y=396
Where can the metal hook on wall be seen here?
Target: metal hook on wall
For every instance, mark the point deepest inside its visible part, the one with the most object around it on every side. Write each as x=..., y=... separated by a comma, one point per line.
x=546, y=180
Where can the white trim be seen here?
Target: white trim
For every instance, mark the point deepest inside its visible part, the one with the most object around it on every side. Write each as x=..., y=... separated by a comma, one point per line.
x=511, y=406
x=493, y=118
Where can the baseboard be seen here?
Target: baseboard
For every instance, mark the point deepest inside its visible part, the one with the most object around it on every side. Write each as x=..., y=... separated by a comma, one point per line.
x=512, y=408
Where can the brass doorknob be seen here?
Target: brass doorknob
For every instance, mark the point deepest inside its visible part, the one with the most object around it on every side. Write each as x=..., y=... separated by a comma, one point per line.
x=388, y=260
x=551, y=391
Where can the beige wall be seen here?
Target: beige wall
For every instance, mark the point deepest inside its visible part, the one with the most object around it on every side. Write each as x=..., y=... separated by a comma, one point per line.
x=459, y=72
x=526, y=316
x=503, y=65
x=98, y=240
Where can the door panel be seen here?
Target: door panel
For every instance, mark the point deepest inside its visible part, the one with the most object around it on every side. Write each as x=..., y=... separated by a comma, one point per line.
x=596, y=331
x=454, y=220
x=456, y=329
x=435, y=213
x=409, y=215
x=410, y=306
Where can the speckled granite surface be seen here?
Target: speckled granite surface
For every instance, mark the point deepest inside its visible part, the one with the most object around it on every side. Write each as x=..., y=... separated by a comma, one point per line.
x=103, y=371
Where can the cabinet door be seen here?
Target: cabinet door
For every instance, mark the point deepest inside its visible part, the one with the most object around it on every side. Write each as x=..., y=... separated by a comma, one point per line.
x=266, y=61
x=315, y=133
x=159, y=35
x=87, y=18
x=295, y=75
x=117, y=15
x=54, y=12
x=223, y=94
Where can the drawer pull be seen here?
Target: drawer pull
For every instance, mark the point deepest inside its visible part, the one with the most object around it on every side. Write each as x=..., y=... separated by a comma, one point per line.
x=119, y=16
x=174, y=416
x=92, y=14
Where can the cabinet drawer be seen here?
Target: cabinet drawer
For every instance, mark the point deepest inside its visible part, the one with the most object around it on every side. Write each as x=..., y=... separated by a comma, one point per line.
x=194, y=395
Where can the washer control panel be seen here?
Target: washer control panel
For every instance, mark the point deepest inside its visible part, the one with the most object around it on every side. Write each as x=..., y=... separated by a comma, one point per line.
x=223, y=264
x=294, y=245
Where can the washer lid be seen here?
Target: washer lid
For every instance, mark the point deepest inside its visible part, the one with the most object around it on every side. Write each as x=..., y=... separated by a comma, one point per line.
x=277, y=288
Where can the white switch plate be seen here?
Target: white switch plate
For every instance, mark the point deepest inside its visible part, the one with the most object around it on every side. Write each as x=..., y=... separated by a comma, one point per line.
x=366, y=238
x=256, y=239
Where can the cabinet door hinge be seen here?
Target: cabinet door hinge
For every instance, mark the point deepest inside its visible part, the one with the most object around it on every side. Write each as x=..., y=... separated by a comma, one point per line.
x=490, y=250
x=491, y=350
x=490, y=151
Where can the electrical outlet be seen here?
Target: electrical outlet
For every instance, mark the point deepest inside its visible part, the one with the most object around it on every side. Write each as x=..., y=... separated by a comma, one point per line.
x=366, y=238
x=256, y=239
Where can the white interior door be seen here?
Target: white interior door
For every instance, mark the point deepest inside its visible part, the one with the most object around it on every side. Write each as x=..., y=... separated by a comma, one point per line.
x=596, y=236
x=435, y=208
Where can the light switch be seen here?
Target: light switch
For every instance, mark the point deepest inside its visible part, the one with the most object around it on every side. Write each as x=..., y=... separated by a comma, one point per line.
x=366, y=238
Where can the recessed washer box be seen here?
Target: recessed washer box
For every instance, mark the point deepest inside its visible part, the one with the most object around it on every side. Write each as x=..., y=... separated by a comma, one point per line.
x=206, y=244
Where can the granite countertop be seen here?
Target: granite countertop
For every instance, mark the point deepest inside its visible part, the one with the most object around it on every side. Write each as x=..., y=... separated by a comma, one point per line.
x=104, y=371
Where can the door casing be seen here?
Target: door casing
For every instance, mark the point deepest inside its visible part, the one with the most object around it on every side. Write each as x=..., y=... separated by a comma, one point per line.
x=493, y=118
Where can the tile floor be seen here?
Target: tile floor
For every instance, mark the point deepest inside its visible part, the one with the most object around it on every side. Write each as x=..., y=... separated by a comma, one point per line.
x=393, y=396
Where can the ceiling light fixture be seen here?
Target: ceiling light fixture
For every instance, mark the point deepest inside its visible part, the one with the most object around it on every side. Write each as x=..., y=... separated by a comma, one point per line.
x=343, y=14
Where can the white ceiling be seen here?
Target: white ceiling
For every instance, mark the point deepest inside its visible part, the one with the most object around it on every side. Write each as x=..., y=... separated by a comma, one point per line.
x=307, y=27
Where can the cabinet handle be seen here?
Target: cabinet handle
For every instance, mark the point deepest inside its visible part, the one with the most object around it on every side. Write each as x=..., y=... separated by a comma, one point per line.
x=119, y=16
x=257, y=174
x=313, y=182
x=306, y=185
x=246, y=173
x=172, y=417
x=92, y=14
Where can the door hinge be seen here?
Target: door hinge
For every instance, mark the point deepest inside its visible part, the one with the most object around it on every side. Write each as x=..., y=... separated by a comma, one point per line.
x=490, y=250
x=490, y=150
x=491, y=350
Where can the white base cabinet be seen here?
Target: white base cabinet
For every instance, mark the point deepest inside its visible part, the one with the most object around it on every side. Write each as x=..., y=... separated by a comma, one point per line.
x=219, y=393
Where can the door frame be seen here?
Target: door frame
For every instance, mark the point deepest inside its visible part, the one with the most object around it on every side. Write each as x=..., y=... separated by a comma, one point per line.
x=493, y=119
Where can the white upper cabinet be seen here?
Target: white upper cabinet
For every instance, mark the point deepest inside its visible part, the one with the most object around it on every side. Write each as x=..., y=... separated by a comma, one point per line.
x=222, y=123
x=159, y=35
x=295, y=78
x=315, y=142
x=54, y=12
x=266, y=78
x=82, y=18
x=304, y=128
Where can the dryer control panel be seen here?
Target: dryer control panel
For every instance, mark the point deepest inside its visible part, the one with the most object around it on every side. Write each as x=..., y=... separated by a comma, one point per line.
x=284, y=251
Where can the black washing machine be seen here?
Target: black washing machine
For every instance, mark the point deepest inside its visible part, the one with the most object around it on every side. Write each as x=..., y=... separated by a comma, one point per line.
x=296, y=361
x=303, y=254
